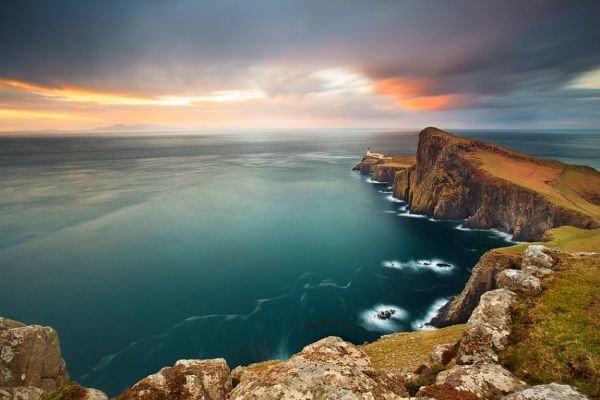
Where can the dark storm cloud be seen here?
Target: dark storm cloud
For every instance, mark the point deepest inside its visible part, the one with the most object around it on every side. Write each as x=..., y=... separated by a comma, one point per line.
x=483, y=49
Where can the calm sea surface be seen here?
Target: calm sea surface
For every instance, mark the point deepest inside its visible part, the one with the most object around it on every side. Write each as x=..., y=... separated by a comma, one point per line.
x=144, y=250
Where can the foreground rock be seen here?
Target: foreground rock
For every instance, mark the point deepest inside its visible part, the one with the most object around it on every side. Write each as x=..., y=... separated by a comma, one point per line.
x=552, y=391
x=537, y=255
x=30, y=358
x=186, y=380
x=328, y=369
x=487, y=381
x=488, y=328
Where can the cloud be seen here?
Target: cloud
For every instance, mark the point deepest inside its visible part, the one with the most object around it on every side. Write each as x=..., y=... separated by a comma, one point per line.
x=394, y=60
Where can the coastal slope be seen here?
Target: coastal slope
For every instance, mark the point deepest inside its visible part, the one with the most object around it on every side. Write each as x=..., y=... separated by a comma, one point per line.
x=494, y=187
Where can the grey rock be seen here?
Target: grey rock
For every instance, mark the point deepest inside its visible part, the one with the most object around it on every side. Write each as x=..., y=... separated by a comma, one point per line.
x=552, y=391
x=443, y=353
x=30, y=356
x=538, y=272
x=536, y=255
x=488, y=328
x=519, y=282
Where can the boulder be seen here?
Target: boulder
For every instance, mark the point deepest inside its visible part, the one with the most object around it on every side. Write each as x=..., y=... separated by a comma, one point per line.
x=328, y=369
x=488, y=328
x=538, y=272
x=186, y=380
x=443, y=353
x=21, y=393
x=536, y=255
x=519, y=281
x=30, y=357
x=552, y=391
x=487, y=381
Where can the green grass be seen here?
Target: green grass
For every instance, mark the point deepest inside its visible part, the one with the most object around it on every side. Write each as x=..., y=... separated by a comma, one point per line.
x=407, y=350
x=567, y=238
x=71, y=391
x=557, y=335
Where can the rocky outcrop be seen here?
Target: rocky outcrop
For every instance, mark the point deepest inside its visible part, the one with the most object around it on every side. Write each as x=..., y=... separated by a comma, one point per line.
x=483, y=279
x=328, y=369
x=488, y=328
x=519, y=281
x=367, y=164
x=30, y=358
x=448, y=182
x=552, y=391
x=386, y=172
x=485, y=381
x=186, y=380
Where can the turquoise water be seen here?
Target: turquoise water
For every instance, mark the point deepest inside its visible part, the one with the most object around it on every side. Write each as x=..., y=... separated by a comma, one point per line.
x=144, y=250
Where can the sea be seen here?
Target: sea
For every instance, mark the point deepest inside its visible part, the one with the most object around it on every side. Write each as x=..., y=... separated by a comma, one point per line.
x=142, y=250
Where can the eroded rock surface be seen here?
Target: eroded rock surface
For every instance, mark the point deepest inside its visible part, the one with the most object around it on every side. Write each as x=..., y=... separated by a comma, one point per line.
x=488, y=328
x=552, y=391
x=538, y=272
x=186, y=380
x=486, y=381
x=30, y=357
x=536, y=255
x=519, y=282
x=328, y=369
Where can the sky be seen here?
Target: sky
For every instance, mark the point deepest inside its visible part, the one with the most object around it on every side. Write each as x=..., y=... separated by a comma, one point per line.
x=72, y=64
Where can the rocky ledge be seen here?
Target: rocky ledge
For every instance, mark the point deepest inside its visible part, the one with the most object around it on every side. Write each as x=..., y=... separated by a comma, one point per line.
x=491, y=186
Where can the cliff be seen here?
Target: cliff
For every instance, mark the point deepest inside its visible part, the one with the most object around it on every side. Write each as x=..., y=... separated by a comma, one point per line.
x=384, y=169
x=494, y=187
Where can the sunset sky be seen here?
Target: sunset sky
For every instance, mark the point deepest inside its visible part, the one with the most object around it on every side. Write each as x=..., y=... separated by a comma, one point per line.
x=306, y=63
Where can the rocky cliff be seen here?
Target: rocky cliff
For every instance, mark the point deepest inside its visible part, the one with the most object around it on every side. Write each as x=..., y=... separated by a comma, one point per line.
x=384, y=169
x=493, y=187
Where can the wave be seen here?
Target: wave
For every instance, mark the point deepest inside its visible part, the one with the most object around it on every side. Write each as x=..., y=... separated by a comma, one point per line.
x=370, y=321
x=371, y=180
x=393, y=199
x=496, y=232
x=435, y=265
x=422, y=324
x=408, y=214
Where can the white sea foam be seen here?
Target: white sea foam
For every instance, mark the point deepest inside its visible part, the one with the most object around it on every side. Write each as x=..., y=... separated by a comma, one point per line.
x=371, y=180
x=506, y=236
x=419, y=265
x=408, y=214
x=422, y=324
x=369, y=320
x=393, y=199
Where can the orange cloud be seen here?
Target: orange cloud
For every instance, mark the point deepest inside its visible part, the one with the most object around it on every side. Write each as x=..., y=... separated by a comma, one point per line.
x=77, y=95
x=415, y=94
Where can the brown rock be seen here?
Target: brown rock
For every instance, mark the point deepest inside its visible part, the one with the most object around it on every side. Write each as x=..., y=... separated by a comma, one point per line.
x=443, y=353
x=186, y=380
x=485, y=381
x=328, y=369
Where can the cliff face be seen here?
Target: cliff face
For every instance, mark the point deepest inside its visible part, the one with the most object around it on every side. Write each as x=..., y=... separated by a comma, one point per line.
x=493, y=187
x=384, y=169
x=459, y=309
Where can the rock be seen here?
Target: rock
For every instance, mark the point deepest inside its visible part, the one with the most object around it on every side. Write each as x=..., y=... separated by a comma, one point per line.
x=186, y=380
x=552, y=391
x=443, y=353
x=488, y=328
x=519, y=282
x=367, y=164
x=74, y=391
x=443, y=265
x=536, y=255
x=458, y=309
x=30, y=356
x=21, y=393
x=487, y=381
x=328, y=369
x=386, y=314
x=538, y=272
